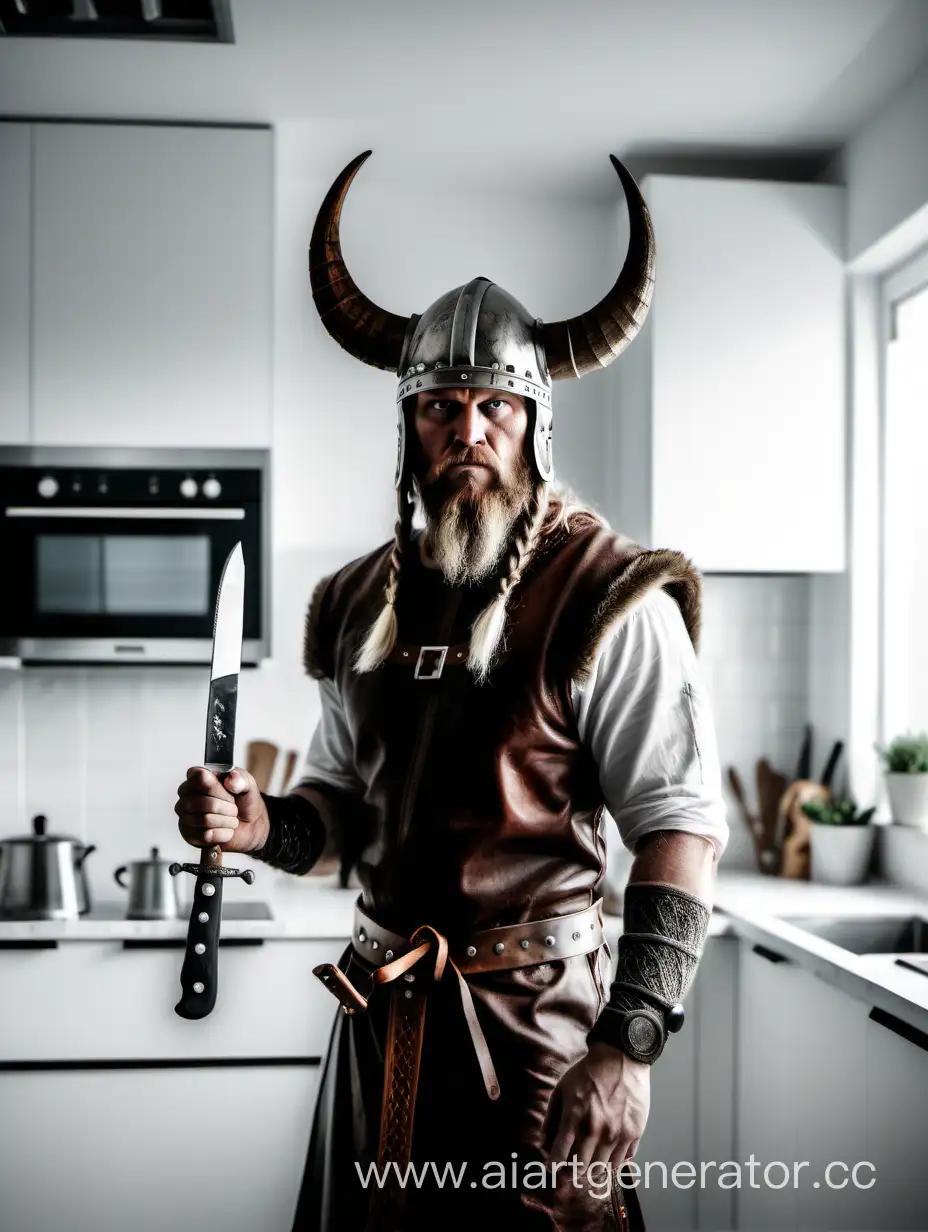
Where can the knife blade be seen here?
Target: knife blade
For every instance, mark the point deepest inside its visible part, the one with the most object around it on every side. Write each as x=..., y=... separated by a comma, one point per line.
x=199, y=975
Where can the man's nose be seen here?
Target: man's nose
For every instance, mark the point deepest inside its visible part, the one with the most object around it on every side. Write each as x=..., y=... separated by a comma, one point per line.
x=469, y=425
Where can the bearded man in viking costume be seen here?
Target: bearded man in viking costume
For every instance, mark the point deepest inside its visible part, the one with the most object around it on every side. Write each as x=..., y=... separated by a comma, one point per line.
x=492, y=681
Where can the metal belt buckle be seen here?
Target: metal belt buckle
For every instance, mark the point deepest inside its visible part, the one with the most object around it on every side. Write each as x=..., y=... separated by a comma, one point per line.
x=433, y=658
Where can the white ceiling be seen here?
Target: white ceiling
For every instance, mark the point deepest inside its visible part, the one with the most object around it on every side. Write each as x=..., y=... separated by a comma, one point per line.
x=536, y=89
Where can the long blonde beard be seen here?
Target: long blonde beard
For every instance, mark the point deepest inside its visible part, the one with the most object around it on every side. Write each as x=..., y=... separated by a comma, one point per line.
x=467, y=537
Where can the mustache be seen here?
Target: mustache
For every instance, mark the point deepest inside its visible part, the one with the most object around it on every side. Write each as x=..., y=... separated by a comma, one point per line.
x=468, y=454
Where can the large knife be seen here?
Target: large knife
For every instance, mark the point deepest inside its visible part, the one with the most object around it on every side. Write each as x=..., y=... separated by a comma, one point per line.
x=199, y=974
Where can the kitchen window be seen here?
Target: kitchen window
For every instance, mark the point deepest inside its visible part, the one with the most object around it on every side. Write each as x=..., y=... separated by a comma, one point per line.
x=904, y=615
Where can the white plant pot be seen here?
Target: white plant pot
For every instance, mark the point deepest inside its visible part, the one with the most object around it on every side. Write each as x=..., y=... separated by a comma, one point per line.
x=908, y=798
x=840, y=854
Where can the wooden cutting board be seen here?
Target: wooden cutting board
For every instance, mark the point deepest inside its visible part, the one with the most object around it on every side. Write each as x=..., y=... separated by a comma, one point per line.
x=797, y=827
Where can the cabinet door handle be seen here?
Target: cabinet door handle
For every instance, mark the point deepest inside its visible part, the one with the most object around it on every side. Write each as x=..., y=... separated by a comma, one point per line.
x=178, y=943
x=905, y=1029
x=29, y=943
x=770, y=955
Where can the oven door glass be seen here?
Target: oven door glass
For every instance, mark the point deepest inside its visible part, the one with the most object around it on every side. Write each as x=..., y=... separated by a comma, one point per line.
x=90, y=574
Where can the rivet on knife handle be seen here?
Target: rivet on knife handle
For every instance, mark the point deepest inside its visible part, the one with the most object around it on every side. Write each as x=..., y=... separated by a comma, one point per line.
x=199, y=976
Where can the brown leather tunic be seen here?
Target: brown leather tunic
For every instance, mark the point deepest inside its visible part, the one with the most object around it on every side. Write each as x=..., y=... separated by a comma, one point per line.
x=478, y=798
x=481, y=807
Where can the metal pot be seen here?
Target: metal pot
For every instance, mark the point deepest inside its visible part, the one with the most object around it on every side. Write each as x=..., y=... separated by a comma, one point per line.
x=42, y=876
x=152, y=889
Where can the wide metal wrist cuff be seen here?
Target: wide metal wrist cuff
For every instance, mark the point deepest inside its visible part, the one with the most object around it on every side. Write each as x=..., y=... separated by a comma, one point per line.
x=296, y=837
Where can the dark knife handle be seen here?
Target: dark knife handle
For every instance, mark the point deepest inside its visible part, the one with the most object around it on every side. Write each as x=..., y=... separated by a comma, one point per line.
x=199, y=976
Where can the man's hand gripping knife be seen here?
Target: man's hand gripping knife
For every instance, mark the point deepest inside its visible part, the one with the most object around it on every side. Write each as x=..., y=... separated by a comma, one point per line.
x=604, y=1099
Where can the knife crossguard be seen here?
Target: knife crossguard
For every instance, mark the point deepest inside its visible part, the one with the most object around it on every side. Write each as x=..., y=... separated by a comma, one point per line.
x=211, y=866
x=246, y=874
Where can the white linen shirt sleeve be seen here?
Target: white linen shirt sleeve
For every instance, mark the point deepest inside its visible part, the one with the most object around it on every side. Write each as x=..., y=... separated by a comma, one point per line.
x=645, y=716
x=331, y=751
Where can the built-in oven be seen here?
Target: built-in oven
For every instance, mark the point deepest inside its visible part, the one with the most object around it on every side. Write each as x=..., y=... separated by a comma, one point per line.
x=115, y=555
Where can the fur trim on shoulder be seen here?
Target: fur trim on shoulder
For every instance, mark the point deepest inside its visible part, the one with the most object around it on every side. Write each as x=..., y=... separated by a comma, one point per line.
x=670, y=570
x=315, y=660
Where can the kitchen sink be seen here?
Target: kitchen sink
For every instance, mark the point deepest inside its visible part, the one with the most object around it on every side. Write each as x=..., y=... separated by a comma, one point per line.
x=868, y=934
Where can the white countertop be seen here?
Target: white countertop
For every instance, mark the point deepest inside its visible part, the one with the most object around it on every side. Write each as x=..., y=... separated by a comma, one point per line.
x=746, y=904
x=752, y=905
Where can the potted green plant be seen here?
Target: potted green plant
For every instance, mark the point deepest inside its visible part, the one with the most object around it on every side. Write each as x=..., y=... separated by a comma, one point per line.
x=905, y=761
x=841, y=840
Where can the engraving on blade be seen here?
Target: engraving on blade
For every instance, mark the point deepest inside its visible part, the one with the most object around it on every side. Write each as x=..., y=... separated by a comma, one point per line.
x=220, y=723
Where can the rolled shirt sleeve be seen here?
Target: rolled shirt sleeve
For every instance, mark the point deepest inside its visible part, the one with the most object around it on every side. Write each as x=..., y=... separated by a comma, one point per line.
x=645, y=716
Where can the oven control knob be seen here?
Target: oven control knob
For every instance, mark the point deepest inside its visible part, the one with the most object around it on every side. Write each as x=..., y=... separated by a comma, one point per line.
x=188, y=488
x=211, y=488
x=48, y=486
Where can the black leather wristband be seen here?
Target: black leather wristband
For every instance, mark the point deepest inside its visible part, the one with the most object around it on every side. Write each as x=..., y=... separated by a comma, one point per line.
x=297, y=834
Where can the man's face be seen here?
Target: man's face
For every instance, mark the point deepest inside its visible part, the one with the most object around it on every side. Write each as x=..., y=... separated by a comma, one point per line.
x=470, y=437
x=468, y=458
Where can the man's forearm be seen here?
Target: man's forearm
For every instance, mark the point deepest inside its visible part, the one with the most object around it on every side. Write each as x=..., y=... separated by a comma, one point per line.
x=675, y=857
x=668, y=902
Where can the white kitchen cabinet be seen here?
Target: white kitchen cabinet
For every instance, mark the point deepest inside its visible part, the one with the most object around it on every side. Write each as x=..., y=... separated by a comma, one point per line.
x=829, y=1081
x=769, y=1034
x=726, y=438
x=15, y=238
x=691, y=1103
x=713, y=1016
x=120, y=1003
x=897, y=1125
x=803, y=1101
x=218, y=1149
x=152, y=285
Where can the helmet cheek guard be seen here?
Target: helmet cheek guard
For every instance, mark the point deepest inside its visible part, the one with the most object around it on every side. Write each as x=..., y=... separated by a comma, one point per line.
x=400, y=446
x=541, y=423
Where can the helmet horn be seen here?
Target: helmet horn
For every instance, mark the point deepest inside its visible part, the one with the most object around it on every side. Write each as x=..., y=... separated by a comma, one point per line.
x=357, y=324
x=592, y=341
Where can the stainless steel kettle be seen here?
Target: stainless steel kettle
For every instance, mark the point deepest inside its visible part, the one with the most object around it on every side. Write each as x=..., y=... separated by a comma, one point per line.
x=42, y=876
x=152, y=889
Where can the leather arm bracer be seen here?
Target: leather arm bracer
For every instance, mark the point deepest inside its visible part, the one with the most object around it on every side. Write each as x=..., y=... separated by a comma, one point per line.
x=662, y=940
x=297, y=834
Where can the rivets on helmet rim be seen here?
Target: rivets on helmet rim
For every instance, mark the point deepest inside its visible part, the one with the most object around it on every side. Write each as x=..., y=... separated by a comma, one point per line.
x=495, y=364
x=420, y=367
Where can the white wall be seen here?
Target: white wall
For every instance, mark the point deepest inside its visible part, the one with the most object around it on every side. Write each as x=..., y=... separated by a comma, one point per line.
x=885, y=168
x=102, y=751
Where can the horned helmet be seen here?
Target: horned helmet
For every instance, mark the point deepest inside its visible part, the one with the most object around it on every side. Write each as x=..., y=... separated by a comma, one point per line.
x=478, y=335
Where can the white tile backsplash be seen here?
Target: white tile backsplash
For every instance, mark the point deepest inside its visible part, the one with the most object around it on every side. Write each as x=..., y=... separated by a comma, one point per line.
x=101, y=751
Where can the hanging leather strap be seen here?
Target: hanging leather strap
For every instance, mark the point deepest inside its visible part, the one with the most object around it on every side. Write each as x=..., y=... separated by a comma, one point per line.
x=439, y=943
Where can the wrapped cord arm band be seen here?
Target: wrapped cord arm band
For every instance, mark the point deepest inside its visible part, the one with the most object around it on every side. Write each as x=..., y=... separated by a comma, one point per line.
x=297, y=834
x=664, y=933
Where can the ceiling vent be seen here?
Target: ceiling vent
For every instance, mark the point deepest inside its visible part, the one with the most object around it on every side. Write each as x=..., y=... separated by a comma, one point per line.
x=194, y=21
